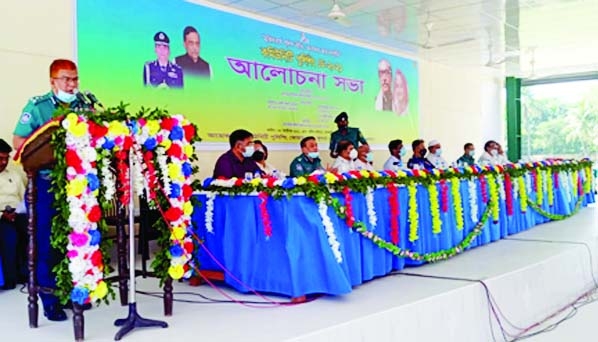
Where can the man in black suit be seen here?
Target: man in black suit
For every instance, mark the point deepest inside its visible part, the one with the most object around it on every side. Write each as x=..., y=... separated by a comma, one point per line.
x=191, y=62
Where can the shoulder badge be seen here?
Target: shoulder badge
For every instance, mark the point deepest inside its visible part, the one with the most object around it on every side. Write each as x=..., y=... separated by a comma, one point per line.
x=25, y=118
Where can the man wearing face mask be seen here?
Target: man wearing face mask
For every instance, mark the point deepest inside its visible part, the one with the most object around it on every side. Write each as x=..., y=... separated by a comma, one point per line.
x=237, y=161
x=397, y=150
x=467, y=158
x=309, y=160
x=435, y=155
x=344, y=132
x=419, y=161
x=365, y=158
x=490, y=155
x=64, y=81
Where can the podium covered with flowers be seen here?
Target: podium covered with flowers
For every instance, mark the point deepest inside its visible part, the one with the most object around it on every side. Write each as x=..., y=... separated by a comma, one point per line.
x=89, y=155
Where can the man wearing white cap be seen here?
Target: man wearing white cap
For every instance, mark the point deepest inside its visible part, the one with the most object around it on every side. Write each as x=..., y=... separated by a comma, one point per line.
x=435, y=156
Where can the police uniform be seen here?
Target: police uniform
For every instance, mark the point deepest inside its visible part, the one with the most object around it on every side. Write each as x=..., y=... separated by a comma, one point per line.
x=302, y=166
x=38, y=111
x=154, y=74
x=351, y=134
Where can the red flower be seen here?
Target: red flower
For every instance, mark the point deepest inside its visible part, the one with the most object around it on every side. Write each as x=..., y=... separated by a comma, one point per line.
x=509, y=194
x=189, y=132
x=120, y=154
x=356, y=174
x=167, y=123
x=148, y=155
x=72, y=159
x=239, y=182
x=173, y=214
x=127, y=143
x=96, y=258
x=175, y=151
x=97, y=131
x=94, y=214
x=313, y=179
x=187, y=191
x=188, y=247
x=393, y=201
x=270, y=182
x=416, y=173
x=391, y=173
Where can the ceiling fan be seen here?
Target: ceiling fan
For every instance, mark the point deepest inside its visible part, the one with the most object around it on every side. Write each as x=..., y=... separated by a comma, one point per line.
x=340, y=14
x=428, y=43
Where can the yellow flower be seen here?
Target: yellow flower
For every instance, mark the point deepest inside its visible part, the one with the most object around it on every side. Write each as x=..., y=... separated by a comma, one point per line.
x=401, y=174
x=72, y=119
x=365, y=173
x=188, y=150
x=176, y=272
x=300, y=180
x=178, y=233
x=376, y=174
x=153, y=127
x=188, y=208
x=76, y=186
x=256, y=181
x=436, y=172
x=330, y=178
x=78, y=129
x=166, y=143
x=116, y=128
x=101, y=291
x=175, y=172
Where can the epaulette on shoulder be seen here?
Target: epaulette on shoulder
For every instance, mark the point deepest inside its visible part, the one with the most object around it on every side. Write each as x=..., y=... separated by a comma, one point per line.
x=39, y=99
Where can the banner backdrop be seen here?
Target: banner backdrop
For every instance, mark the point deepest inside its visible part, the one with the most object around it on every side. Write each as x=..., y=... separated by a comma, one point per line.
x=224, y=71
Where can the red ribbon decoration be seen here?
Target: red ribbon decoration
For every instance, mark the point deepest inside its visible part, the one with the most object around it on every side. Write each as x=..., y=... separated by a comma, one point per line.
x=509, y=194
x=349, y=219
x=263, y=196
x=393, y=201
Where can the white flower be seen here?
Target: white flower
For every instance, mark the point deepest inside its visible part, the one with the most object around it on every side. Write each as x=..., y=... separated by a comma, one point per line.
x=369, y=198
x=473, y=200
x=501, y=187
x=329, y=228
x=210, y=212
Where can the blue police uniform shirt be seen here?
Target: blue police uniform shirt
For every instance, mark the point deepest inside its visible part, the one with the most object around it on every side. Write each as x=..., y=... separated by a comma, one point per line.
x=155, y=75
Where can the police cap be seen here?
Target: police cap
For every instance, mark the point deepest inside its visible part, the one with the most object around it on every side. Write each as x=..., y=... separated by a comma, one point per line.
x=161, y=38
x=341, y=117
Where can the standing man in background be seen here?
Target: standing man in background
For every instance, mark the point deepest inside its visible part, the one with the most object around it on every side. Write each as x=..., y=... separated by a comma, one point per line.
x=344, y=132
x=191, y=62
x=64, y=81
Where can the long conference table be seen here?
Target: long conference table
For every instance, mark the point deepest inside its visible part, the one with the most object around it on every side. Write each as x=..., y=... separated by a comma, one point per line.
x=296, y=259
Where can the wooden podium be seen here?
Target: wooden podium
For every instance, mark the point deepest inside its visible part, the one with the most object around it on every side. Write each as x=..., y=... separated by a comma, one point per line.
x=37, y=154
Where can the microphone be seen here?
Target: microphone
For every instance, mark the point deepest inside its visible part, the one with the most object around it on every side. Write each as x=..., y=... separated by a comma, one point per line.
x=82, y=99
x=94, y=100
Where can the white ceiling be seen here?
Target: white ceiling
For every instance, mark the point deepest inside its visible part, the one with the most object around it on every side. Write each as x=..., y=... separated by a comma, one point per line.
x=525, y=38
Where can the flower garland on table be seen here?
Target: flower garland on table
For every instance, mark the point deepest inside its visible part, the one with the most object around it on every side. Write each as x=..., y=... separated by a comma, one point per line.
x=580, y=185
x=329, y=228
x=539, y=187
x=428, y=257
x=556, y=176
x=369, y=202
x=413, y=215
x=508, y=187
x=263, y=196
x=457, y=202
x=522, y=193
x=393, y=202
x=557, y=217
x=444, y=196
x=483, y=188
x=434, y=209
x=587, y=185
x=493, y=189
x=473, y=200
x=575, y=182
x=349, y=217
x=209, y=219
x=549, y=187
x=501, y=187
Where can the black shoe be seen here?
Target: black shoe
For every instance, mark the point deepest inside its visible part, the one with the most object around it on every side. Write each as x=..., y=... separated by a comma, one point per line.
x=55, y=313
x=69, y=305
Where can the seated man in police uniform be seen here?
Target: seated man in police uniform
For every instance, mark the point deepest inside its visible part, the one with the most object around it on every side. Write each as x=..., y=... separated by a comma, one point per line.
x=468, y=154
x=191, y=62
x=435, y=155
x=162, y=72
x=397, y=150
x=344, y=132
x=309, y=159
x=13, y=221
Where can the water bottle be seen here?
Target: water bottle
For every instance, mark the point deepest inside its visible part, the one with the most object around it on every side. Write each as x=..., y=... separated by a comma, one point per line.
x=248, y=176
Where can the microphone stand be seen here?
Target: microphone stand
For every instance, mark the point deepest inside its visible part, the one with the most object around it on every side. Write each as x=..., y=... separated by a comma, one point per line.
x=133, y=320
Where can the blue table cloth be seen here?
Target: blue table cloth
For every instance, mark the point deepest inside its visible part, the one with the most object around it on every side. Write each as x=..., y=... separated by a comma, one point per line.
x=297, y=259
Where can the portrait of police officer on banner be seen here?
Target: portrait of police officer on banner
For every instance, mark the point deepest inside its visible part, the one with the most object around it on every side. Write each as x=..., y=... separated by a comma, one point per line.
x=162, y=73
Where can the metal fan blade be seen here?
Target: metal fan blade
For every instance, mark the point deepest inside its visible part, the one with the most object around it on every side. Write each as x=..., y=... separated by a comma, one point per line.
x=455, y=42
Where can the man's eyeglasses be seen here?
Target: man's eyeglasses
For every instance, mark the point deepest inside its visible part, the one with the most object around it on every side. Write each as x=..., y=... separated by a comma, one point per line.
x=66, y=79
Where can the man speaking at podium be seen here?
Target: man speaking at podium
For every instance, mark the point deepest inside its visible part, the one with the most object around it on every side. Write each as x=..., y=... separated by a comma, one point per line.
x=64, y=81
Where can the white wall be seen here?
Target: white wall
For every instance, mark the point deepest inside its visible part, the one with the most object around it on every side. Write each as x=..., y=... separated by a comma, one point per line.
x=457, y=104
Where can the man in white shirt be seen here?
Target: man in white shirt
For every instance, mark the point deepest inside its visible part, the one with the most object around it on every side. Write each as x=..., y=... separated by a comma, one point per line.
x=397, y=150
x=435, y=155
x=490, y=155
x=13, y=221
x=365, y=158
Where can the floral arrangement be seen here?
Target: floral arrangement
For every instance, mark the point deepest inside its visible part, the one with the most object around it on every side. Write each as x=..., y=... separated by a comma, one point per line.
x=84, y=184
x=496, y=182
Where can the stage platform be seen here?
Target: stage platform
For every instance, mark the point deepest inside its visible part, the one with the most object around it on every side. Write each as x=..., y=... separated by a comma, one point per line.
x=530, y=275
